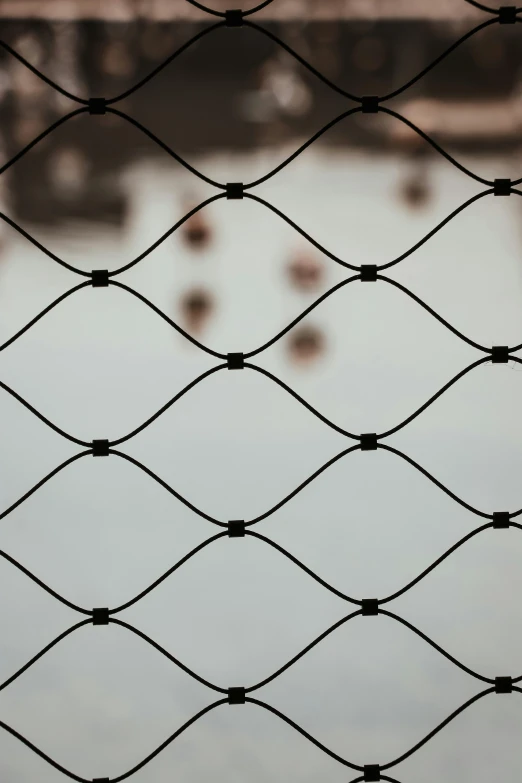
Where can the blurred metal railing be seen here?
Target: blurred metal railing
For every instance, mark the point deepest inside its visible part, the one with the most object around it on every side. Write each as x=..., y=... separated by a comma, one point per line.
x=102, y=278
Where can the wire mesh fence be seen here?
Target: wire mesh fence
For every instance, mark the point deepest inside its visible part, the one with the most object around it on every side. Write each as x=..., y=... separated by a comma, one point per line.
x=236, y=360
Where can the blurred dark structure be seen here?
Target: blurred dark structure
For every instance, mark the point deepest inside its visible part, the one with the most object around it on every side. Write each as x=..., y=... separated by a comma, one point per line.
x=248, y=95
x=196, y=307
x=306, y=343
x=305, y=271
x=196, y=231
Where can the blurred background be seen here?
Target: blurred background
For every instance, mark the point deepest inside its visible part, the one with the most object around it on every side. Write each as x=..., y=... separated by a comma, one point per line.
x=98, y=193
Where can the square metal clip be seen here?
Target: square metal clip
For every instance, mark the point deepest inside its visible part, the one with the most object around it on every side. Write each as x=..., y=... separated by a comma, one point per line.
x=236, y=695
x=507, y=14
x=100, y=278
x=500, y=519
x=369, y=273
x=503, y=684
x=370, y=104
x=370, y=606
x=234, y=18
x=100, y=616
x=372, y=772
x=368, y=441
x=235, y=361
x=234, y=190
x=100, y=448
x=502, y=187
x=236, y=528
x=97, y=106
x=500, y=354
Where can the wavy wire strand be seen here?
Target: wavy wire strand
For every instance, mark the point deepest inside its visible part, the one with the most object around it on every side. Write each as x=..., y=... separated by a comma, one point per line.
x=281, y=503
x=269, y=206
x=278, y=336
x=274, y=711
x=272, y=377
x=272, y=544
x=278, y=168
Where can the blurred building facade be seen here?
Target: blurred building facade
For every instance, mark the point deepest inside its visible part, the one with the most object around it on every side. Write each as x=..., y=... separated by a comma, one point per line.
x=256, y=95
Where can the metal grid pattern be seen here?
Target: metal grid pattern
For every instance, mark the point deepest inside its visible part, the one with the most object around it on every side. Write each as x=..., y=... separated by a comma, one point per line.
x=100, y=278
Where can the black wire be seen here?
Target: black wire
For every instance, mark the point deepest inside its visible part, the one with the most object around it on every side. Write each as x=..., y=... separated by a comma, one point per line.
x=302, y=486
x=128, y=92
x=435, y=646
x=438, y=60
x=167, y=654
x=164, y=64
x=308, y=736
x=303, y=62
x=389, y=598
x=344, y=115
x=282, y=502
x=438, y=562
x=44, y=481
x=274, y=339
x=40, y=75
x=322, y=636
x=132, y=263
x=307, y=649
x=439, y=318
x=435, y=481
x=208, y=10
x=166, y=234
x=302, y=148
x=40, y=416
x=354, y=268
x=42, y=755
x=168, y=741
x=273, y=209
x=257, y=8
x=398, y=427
x=44, y=312
x=300, y=317
x=427, y=404
x=269, y=708
x=167, y=405
x=37, y=244
x=303, y=402
x=205, y=8
x=44, y=587
x=482, y=7
x=167, y=319
x=438, y=728
x=167, y=574
x=45, y=649
x=164, y=484
x=435, y=146
x=304, y=568
x=437, y=228
x=42, y=135
x=352, y=96
x=165, y=147
x=125, y=116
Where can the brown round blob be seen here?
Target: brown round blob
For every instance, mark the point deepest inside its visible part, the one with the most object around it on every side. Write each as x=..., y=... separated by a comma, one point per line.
x=196, y=231
x=306, y=344
x=305, y=272
x=416, y=192
x=196, y=307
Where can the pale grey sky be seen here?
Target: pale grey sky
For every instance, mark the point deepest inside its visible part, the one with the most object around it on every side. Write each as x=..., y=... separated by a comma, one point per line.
x=101, y=531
